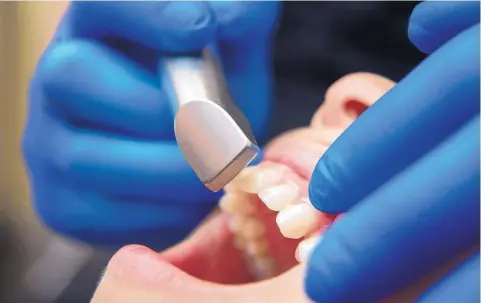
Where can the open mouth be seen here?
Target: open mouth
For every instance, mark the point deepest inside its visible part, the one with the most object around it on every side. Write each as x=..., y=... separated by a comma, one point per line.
x=252, y=248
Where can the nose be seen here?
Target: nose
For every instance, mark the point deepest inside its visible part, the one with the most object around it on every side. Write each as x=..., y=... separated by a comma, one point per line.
x=347, y=98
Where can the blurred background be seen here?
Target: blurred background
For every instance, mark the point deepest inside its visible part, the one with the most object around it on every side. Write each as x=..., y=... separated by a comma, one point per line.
x=317, y=43
x=35, y=265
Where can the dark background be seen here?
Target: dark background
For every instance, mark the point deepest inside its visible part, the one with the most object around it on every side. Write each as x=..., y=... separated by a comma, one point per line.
x=319, y=42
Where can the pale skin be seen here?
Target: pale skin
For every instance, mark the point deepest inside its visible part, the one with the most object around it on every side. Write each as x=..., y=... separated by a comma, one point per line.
x=208, y=267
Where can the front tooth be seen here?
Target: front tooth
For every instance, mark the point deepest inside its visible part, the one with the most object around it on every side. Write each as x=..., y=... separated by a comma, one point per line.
x=260, y=179
x=278, y=197
x=295, y=221
x=236, y=203
x=305, y=248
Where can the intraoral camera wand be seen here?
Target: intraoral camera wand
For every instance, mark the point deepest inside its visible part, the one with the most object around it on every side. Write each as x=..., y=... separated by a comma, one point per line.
x=212, y=133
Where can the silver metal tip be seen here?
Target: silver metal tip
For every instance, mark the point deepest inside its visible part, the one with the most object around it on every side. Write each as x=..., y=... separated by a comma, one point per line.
x=232, y=169
x=211, y=131
x=216, y=145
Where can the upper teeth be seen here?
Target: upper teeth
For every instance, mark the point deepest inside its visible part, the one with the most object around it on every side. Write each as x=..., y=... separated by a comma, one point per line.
x=278, y=197
x=296, y=221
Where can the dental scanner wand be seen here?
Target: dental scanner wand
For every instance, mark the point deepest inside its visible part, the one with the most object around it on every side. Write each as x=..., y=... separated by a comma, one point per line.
x=212, y=133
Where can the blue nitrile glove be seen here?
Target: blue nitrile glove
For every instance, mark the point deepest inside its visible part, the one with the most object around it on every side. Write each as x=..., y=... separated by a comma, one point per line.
x=407, y=173
x=99, y=143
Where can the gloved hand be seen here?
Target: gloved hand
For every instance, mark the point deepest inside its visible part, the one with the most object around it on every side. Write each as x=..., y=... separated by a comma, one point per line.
x=407, y=175
x=99, y=143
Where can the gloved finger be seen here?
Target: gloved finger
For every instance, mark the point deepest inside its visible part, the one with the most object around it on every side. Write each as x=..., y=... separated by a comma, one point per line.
x=108, y=92
x=122, y=168
x=461, y=285
x=245, y=40
x=433, y=23
x=242, y=21
x=415, y=223
x=415, y=116
x=102, y=220
x=172, y=26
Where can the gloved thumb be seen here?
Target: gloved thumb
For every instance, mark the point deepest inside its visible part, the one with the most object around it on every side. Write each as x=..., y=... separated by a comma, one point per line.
x=433, y=23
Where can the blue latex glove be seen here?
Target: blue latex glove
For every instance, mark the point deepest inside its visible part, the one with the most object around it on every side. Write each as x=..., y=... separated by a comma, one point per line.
x=407, y=172
x=99, y=143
